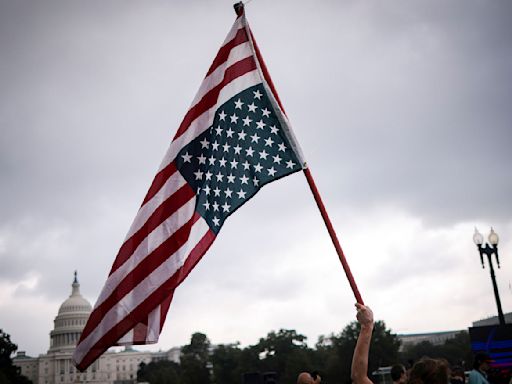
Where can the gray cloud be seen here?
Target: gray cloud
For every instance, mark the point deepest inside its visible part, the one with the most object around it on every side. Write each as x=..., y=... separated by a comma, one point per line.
x=401, y=106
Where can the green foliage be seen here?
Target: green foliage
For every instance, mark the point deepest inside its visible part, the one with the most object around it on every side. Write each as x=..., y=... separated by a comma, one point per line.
x=8, y=372
x=195, y=360
x=286, y=353
x=226, y=360
x=457, y=351
x=337, y=351
x=160, y=372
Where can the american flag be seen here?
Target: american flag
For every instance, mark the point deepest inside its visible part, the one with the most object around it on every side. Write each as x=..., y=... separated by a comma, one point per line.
x=234, y=139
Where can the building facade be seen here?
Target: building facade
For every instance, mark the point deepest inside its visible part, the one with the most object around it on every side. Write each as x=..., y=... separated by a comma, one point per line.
x=56, y=366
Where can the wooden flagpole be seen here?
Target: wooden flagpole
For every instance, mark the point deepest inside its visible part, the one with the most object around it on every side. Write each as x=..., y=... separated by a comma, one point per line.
x=332, y=233
x=239, y=9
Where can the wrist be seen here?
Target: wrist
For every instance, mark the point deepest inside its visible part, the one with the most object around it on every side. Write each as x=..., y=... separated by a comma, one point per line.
x=367, y=326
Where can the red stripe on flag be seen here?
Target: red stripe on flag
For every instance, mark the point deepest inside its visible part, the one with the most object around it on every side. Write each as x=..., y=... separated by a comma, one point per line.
x=223, y=54
x=166, y=209
x=160, y=294
x=140, y=272
x=238, y=69
x=164, y=307
x=159, y=180
x=140, y=331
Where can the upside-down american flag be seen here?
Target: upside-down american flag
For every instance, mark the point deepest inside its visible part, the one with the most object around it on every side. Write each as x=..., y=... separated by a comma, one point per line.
x=234, y=139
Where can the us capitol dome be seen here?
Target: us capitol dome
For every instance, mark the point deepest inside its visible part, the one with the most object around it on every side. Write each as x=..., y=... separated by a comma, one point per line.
x=56, y=366
x=70, y=321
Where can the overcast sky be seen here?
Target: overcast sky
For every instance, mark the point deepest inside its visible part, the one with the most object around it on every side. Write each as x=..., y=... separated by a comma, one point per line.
x=402, y=109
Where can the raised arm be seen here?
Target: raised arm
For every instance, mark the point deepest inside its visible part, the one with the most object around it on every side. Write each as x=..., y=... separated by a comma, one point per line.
x=360, y=359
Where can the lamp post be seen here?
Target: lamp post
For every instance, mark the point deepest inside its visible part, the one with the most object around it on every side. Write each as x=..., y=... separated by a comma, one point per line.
x=489, y=250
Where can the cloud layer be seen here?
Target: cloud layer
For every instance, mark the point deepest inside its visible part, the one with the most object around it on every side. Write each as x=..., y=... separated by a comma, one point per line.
x=402, y=110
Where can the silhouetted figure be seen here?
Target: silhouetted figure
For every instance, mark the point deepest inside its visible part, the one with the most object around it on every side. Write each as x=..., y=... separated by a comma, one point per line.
x=480, y=367
x=398, y=374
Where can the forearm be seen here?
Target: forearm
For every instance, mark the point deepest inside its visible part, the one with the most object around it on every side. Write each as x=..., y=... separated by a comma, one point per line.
x=360, y=358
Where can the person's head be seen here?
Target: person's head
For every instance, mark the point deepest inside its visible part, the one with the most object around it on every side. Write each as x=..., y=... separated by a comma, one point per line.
x=398, y=374
x=457, y=375
x=309, y=378
x=481, y=361
x=429, y=371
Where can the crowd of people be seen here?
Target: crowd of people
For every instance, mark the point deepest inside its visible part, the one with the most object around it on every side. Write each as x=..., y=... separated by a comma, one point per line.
x=425, y=371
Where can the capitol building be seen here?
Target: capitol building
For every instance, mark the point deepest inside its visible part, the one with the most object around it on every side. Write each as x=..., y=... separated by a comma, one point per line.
x=56, y=366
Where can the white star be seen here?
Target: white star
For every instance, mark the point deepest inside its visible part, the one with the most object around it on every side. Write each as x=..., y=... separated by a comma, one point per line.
x=252, y=107
x=208, y=175
x=225, y=207
x=271, y=171
x=241, y=194
x=244, y=179
x=231, y=178
x=201, y=159
x=290, y=164
x=237, y=149
x=223, y=162
x=222, y=116
x=260, y=124
x=234, y=164
x=258, y=167
x=216, y=192
x=247, y=121
x=207, y=190
x=246, y=165
x=257, y=94
x=228, y=192
x=241, y=135
x=263, y=155
x=269, y=142
x=226, y=147
x=212, y=160
x=255, y=181
x=277, y=159
x=282, y=147
x=216, y=221
x=215, y=145
x=205, y=143
x=274, y=129
x=249, y=151
x=219, y=176
x=229, y=132
x=218, y=130
x=234, y=118
x=206, y=205
x=186, y=157
x=215, y=206
x=265, y=112
x=238, y=104
x=255, y=138
x=199, y=175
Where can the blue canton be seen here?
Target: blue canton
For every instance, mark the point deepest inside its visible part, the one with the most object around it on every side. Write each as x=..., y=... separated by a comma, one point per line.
x=244, y=149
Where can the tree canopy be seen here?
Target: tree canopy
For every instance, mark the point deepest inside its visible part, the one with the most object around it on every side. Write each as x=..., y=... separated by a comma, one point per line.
x=9, y=373
x=285, y=353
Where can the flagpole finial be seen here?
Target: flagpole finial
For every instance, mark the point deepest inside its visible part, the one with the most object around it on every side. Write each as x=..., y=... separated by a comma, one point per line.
x=239, y=8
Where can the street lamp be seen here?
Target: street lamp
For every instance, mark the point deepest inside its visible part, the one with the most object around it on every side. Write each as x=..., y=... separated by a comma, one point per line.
x=489, y=250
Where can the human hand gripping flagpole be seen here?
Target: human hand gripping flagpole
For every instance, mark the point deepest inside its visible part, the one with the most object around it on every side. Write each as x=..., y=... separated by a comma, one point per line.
x=239, y=9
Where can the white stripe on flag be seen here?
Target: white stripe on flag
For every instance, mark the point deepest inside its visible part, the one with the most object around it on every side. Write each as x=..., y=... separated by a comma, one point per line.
x=203, y=122
x=238, y=53
x=148, y=245
x=129, y=302
x=175, y=182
